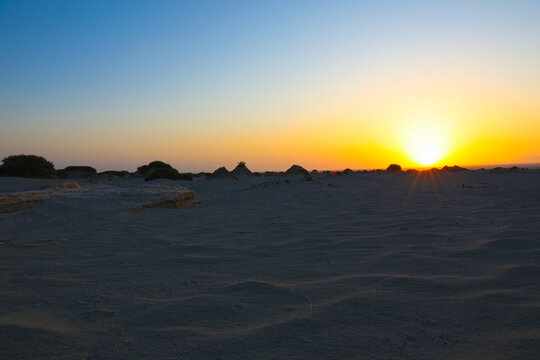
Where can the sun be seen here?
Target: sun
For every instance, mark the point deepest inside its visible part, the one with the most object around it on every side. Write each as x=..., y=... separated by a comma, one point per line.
x=426, y=145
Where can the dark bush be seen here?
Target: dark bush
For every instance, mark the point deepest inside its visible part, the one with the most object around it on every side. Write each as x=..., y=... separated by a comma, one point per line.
x=77, y=172
x=27, y=166
x=154, y=165
x=165, y=173
x=112, y=173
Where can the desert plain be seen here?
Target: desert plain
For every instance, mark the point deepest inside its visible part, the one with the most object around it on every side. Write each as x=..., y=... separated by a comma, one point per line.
x=435, y=265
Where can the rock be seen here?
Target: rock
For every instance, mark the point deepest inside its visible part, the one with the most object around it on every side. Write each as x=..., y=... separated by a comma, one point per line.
x=241, y=169
x=393, y=168
x=66, y=185
x=19, y=201
x=13, y=202
x=297, y=170
x=222, y=173
x=167, y=196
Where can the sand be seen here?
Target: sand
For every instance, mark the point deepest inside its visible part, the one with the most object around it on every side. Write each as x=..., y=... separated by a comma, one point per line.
x=361, y=266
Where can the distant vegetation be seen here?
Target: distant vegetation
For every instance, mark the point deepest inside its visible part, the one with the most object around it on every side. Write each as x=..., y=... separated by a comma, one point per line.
x=153, y=166
x=31, y=166
x=165, y=173
x=113, y=173
x=77, y=171
x=160, y=170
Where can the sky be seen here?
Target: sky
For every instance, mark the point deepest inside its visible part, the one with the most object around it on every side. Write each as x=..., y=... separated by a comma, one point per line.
x=323, y=84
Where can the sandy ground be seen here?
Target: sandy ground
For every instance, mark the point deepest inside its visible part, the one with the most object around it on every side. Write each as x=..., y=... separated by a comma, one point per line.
x=363, y=266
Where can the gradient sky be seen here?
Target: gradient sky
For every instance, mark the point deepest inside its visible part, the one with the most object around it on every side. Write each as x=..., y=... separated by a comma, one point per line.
x=328, y=85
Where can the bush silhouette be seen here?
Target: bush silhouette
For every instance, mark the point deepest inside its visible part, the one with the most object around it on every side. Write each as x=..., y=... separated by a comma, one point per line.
x=154, y=165
x=77, y=171
x=165, y=173
x=112, y=173
x=32, y=166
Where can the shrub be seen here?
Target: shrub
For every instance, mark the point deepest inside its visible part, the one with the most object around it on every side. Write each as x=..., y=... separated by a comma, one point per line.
x=154, y=165
x=118, y=173
x=27, y=166
x=166, y=173
x=77, y=172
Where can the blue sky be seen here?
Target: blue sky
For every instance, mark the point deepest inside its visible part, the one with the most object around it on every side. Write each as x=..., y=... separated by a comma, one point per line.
x=104, y=70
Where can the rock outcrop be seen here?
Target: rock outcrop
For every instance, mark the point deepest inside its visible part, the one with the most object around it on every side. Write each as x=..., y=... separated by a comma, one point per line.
x=222, y=173
x=297, y=170
x=393, y=168
x=167, y=196
x=13, y=202
x=241, y=169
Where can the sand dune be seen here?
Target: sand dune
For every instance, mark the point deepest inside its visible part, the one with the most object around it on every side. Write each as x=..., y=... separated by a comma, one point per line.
x=360, y=266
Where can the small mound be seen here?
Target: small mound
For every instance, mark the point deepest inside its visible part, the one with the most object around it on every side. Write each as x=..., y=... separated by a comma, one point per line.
x=348, y=172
